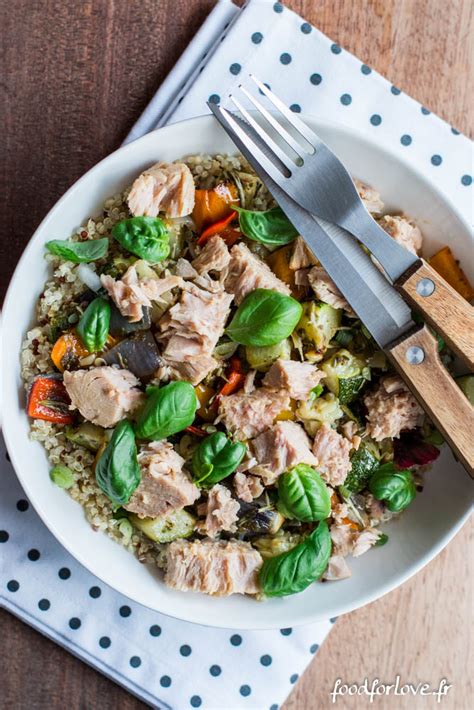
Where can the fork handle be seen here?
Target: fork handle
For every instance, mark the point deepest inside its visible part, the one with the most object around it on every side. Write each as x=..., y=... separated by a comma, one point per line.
x=441, y=398
x=443, y=308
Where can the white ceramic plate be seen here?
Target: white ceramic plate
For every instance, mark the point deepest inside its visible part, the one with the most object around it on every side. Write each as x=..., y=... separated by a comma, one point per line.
x=426, y=527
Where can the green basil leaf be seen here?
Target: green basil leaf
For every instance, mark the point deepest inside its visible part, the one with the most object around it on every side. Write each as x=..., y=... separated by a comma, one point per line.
x=167, y=410
x=271, y=227
x=215, y=458
x=293, y=571
x=146, y=237
x=395, y=488
x=93, y=327
x=117, y=471
x=79, y=252
x=264, y=318
x=303, y=494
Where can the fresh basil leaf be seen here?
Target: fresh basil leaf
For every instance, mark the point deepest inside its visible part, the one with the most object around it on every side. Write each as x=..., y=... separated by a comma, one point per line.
x=167, y=410
x=383, y=539
x=395, y=488
x=303, y=494
x=264, y=318
x=79, y=252
x=146, y=237
x=93, y=327
x=117, y=471
x=271, y=227
x=293, y=571
x=215, y=458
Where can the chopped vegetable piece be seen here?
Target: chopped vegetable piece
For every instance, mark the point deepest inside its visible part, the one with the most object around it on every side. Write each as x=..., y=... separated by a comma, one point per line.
x=318, y=325
x=120, y=326
x=262, y=357
x=197, y=431
x=166, y=528
x=260, y=521
x=346, y=374
x=67, y=350
x=211, y=206
x=204, y=393
x=410, y=450
x=62, y=476
x=216, y=228
x=139, y=354
x=235, y=379
x=446, y=265
x=88, y=435
x=364, y=463
x=49, y=400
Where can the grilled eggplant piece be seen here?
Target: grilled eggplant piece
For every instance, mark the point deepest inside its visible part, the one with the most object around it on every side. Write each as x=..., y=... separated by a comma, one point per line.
x=120, y=326
x=260, y=521
x=139, y=354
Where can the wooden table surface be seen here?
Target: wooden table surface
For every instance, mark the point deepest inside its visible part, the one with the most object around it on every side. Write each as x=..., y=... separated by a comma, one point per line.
x=77, y=74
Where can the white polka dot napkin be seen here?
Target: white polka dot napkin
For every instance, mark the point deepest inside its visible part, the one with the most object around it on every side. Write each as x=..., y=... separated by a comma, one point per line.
x=165, y=662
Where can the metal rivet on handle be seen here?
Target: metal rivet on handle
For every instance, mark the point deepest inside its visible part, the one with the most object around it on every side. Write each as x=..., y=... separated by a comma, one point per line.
x=425, y=287
x=415, y=355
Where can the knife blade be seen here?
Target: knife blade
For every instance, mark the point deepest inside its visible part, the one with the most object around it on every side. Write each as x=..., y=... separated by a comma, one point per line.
x=379, y=306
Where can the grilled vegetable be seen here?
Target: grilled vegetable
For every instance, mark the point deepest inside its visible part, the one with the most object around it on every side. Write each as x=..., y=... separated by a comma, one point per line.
x=93, y=328
x=67, y=350
x=324, y=410
x=345, y=375
x=302, y=494
x=146, y=237
x=78, y=252
x=261, y=358
x=88, y=435
x=318, y=325
x=260, y=521
x=363, y=465
x=218, y=228
x=235, y=379
x=264, y=317
x=271, y=546
x=211, y=206
x=446, y=265
x=166, y=528
x=62, y=476
x=120, y=326
x=117, y=471
x=204, y=393
x=139, y=354
x=215, y=458
x=49, y=400
x=279, y=262
x=395, y=488
x=168, y=409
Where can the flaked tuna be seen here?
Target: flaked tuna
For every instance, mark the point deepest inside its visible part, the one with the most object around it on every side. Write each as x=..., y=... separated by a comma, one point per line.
x=131, y=294
x=247, y=272
x=247, y=487
x=326, y=290
x=302, y=256
x=221, y=512
x=217, y=568
x=165, y=187
x=103, y=395
x=281, y=447
x=246, y=415
x=337, y=569
x=332, y=454
x=370, y=198
x=297, y=378
x=213, y=257
x=391, y=409
x=165, y=486
x=404, y=231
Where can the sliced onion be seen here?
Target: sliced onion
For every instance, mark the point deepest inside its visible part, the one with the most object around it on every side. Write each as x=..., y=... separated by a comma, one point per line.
x=89, y=277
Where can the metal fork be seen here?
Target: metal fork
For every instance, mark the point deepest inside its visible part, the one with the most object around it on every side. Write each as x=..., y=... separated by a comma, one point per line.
x=303, y=166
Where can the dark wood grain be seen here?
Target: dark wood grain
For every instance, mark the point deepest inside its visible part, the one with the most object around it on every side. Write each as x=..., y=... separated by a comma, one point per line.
x=76, y=75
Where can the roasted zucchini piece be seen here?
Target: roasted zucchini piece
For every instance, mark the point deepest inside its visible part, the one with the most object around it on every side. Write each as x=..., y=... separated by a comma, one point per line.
x=271, y=546
x=261, y=521
x=364, y=463
x=323, y=410
x=166, y=528
x=261, y=358
x=88, y=435
x=346, y=374
x=318, y=326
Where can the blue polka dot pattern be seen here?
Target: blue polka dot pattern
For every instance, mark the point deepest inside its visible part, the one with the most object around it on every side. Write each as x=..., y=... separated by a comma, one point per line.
x=95, y=592
x=425, y=111
x=296, y=108
x=64, y=573
x=104, y=642
x=346, y=99
x=44, y=604
x=285, y=58
x=455, y=132
x=274, y=707
x=235, y=68
x=245, y=690
x=13, y=585
x=286, y=632
x=365, y=69
x=155, y=630
x=436, y=160
x=466, y=180
x=165, y=681
x=306, y=28
x=294, y=678
x=33, y=555
x=22, y=505
x=315, y=79
x=395, y=91
x=125, y=611
x=135, y=661
x=185, y=650
x=74, y=623
x=314, y=648
x=266, y=660
x=215, y=670
x=376, y=120
x=236, y=639
x=4, y=536
x=335, y=49
x=214, y=99
x=257, y=37
x=278, y=7
x=196, y=701
x=405, y=139
x=333, y=619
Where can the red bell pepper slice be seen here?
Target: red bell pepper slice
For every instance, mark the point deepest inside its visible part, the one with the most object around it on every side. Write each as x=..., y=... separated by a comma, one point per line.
x=216, y=228
x=49, y=400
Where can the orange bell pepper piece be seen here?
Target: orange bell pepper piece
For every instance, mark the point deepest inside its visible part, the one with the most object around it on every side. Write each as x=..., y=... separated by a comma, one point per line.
x=216, y=228
x=67, y=347
x=446, y=265
x=211, y=206
x=49, y=400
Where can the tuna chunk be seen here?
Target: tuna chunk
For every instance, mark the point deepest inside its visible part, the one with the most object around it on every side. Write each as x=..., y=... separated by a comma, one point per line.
x=165, y=485
x=247, y=487
x=302, y=256
x=404, y=231
x=130, y=294
x=246, y=415
x=337, y=569
x=365, y=540
x=213, y=257
x=332, y=452
x=297, y=378
x=248, y=272
x=222, y=511
x=280, y=448
x=218, y=568
x=165, y=187
x=103, y=395
x=391, y=409
x=191, y=329
x=370, y=198
x=326, y=290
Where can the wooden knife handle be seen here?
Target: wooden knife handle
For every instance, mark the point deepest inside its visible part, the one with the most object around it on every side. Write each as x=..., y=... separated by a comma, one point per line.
x=417, y=359
x=442, y=307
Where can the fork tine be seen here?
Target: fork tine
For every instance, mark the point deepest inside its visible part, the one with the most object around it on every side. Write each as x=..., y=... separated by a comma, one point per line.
x=248, y=145
x=291, y=117
x=267, y=139
x=281, y=130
